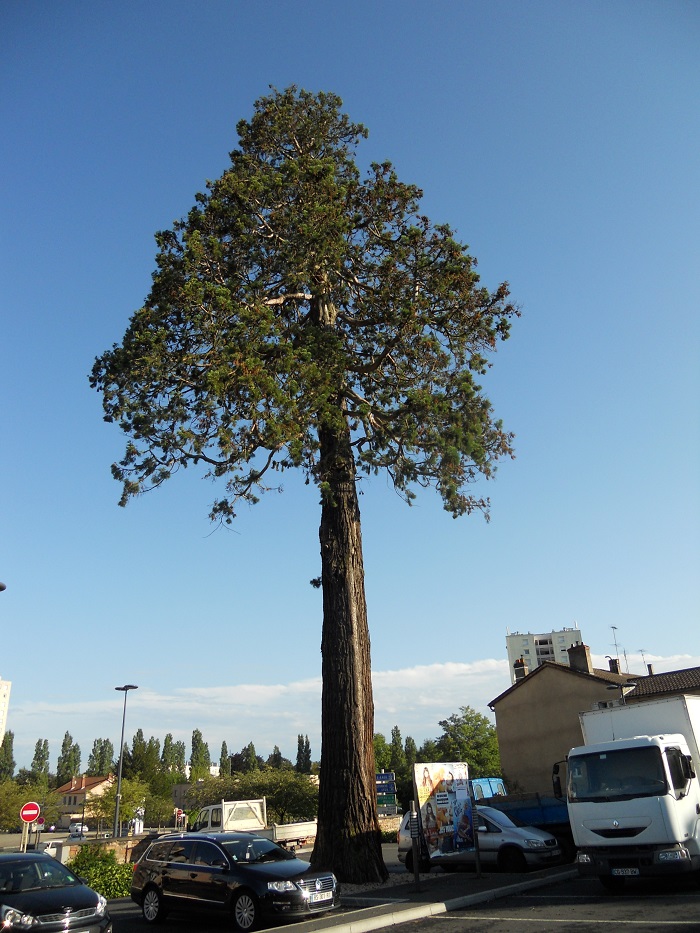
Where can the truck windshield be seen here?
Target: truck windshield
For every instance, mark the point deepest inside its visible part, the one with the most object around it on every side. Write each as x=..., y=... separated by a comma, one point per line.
x=616, y=775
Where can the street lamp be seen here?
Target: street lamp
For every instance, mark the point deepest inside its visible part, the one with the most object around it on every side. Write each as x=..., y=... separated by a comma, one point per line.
x=629, y=685
x=125, y=689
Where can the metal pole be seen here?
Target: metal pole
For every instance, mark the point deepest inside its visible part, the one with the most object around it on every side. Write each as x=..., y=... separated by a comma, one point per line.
x=125, y=689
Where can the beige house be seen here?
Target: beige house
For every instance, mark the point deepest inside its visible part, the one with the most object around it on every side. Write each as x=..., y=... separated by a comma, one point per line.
x=537, y=717
x=75, y=797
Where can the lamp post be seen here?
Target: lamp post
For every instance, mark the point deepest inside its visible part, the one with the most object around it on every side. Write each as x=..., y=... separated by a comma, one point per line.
x=125, y=689
x=629, y=685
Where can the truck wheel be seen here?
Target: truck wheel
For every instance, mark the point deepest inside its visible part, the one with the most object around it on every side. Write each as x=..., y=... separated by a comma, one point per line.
x=245, y=911
x=152, y=907
x=613, y=885
x=512, y=860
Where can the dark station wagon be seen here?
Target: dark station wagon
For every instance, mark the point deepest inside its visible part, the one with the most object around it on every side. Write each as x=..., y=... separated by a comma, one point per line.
x=243, y=874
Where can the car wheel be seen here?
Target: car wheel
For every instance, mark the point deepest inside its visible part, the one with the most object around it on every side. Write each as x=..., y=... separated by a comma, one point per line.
x=152, y=906
x=245, y=911
x=424, y=865
x=512, y=860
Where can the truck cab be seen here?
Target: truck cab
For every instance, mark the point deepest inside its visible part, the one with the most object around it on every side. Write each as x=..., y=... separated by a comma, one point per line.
x=633, y=806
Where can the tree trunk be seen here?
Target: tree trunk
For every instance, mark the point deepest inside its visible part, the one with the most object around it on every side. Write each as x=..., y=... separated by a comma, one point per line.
x=348, y=839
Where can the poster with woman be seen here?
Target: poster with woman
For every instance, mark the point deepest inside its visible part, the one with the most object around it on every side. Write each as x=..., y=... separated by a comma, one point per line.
x=442, y=792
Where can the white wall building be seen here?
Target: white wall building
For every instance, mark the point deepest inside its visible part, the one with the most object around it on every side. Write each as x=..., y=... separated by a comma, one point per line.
x=5, y=687
x=534, y=649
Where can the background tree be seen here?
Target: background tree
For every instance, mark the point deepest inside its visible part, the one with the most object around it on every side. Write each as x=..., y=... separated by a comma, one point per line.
x=7, y=760
x=172, y=759
x=224, y=761
x=134, y=794
x=469, y=736
x=200, y=760
x=277, y=760
x=290, y=796
x=40, y=762
x=302, y=316
x=68, y=765
x=303, y=765
x=382, y=753
x=397, y=755
x=101, y=758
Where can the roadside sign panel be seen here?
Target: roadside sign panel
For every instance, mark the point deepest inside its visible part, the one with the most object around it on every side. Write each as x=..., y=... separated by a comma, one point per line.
x=30, y=812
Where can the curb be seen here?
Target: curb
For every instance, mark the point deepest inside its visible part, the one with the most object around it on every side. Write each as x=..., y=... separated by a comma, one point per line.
x=408, y=912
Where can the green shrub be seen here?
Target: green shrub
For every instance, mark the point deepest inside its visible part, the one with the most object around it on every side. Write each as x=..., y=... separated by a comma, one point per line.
x=102, y=872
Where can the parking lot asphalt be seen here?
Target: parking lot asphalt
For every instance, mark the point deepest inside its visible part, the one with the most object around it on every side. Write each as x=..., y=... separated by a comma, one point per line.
x=390, y=905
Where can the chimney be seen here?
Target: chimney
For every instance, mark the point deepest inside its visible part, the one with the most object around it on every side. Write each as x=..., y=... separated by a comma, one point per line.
x=614, y=665
x=520, y=668
x=82, y=782
x=650, y=669
x=580, y=658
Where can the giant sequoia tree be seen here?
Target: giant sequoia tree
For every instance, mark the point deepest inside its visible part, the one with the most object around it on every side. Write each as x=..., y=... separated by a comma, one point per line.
x=307, y=315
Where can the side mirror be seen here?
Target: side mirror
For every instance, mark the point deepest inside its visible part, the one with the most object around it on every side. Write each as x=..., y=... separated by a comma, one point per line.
x=687, y=766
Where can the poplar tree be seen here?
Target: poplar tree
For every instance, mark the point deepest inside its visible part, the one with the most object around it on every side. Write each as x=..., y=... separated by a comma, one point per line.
x=68, y=765
x=306, y=315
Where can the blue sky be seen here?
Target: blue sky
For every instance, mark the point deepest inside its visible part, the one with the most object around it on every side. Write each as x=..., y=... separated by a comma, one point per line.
x=561, y=140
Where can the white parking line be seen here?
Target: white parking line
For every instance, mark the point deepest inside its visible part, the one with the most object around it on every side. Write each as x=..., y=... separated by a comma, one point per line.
x=663, y=925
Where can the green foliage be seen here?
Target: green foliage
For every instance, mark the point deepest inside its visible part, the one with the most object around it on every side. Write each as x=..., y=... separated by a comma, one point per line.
x=298, y=294
x=303, y=764
x=469, y=736
x=68, y=760
x=290, y=797
x=200, y=760
x=134, y=794
x=102, y=872
x=40, y=761
x=382, y=753
x=7, y=761
x=101, y=758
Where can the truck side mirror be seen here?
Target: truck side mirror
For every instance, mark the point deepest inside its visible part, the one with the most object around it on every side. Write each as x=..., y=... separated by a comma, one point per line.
x=556, y=786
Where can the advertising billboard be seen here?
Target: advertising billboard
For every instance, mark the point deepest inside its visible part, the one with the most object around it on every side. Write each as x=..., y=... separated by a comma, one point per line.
x=442, y=794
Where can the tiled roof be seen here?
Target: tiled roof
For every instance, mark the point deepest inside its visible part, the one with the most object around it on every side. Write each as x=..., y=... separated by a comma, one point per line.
x=76, y=784
x=686, y=681
x=648, y=685
x=596, y=674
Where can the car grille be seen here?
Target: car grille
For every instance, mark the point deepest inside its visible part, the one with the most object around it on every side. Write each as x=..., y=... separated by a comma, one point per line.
x=67, y=918
x=315, y=885
x=551, y=843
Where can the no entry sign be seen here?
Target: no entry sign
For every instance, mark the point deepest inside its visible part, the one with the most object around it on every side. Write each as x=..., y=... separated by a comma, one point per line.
x=30, y=812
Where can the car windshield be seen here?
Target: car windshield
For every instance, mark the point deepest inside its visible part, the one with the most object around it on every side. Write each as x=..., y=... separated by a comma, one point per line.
x=28, y=875
x=616, y=775
x=255, y=849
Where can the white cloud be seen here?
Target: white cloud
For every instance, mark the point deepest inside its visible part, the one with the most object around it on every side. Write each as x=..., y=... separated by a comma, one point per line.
x=415, y=699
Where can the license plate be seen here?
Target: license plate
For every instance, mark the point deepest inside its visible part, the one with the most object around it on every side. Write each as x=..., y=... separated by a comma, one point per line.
x=322, y=896
x=618, y=872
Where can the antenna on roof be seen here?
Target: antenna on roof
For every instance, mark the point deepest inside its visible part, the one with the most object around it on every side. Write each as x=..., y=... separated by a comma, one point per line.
x=617, y=650
x=641, y=651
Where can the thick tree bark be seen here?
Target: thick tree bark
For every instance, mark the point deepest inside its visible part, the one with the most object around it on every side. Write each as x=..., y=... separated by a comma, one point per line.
x=349, y=839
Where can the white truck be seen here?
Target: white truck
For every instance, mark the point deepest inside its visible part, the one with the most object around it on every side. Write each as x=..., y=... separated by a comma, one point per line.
x=632, y=791
x=229, y=816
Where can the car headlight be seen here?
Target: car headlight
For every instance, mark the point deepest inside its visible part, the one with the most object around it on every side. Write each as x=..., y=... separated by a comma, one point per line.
x=673, y=855
x=536, y=844
x=13, y=919
x=279, y=887
x=101, y=906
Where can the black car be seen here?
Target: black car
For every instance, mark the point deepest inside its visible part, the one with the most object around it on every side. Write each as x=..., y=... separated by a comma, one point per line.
x=37, y=892
x=244, y=874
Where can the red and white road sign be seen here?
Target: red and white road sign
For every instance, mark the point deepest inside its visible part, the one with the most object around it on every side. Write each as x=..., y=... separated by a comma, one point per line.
x=30, y=812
